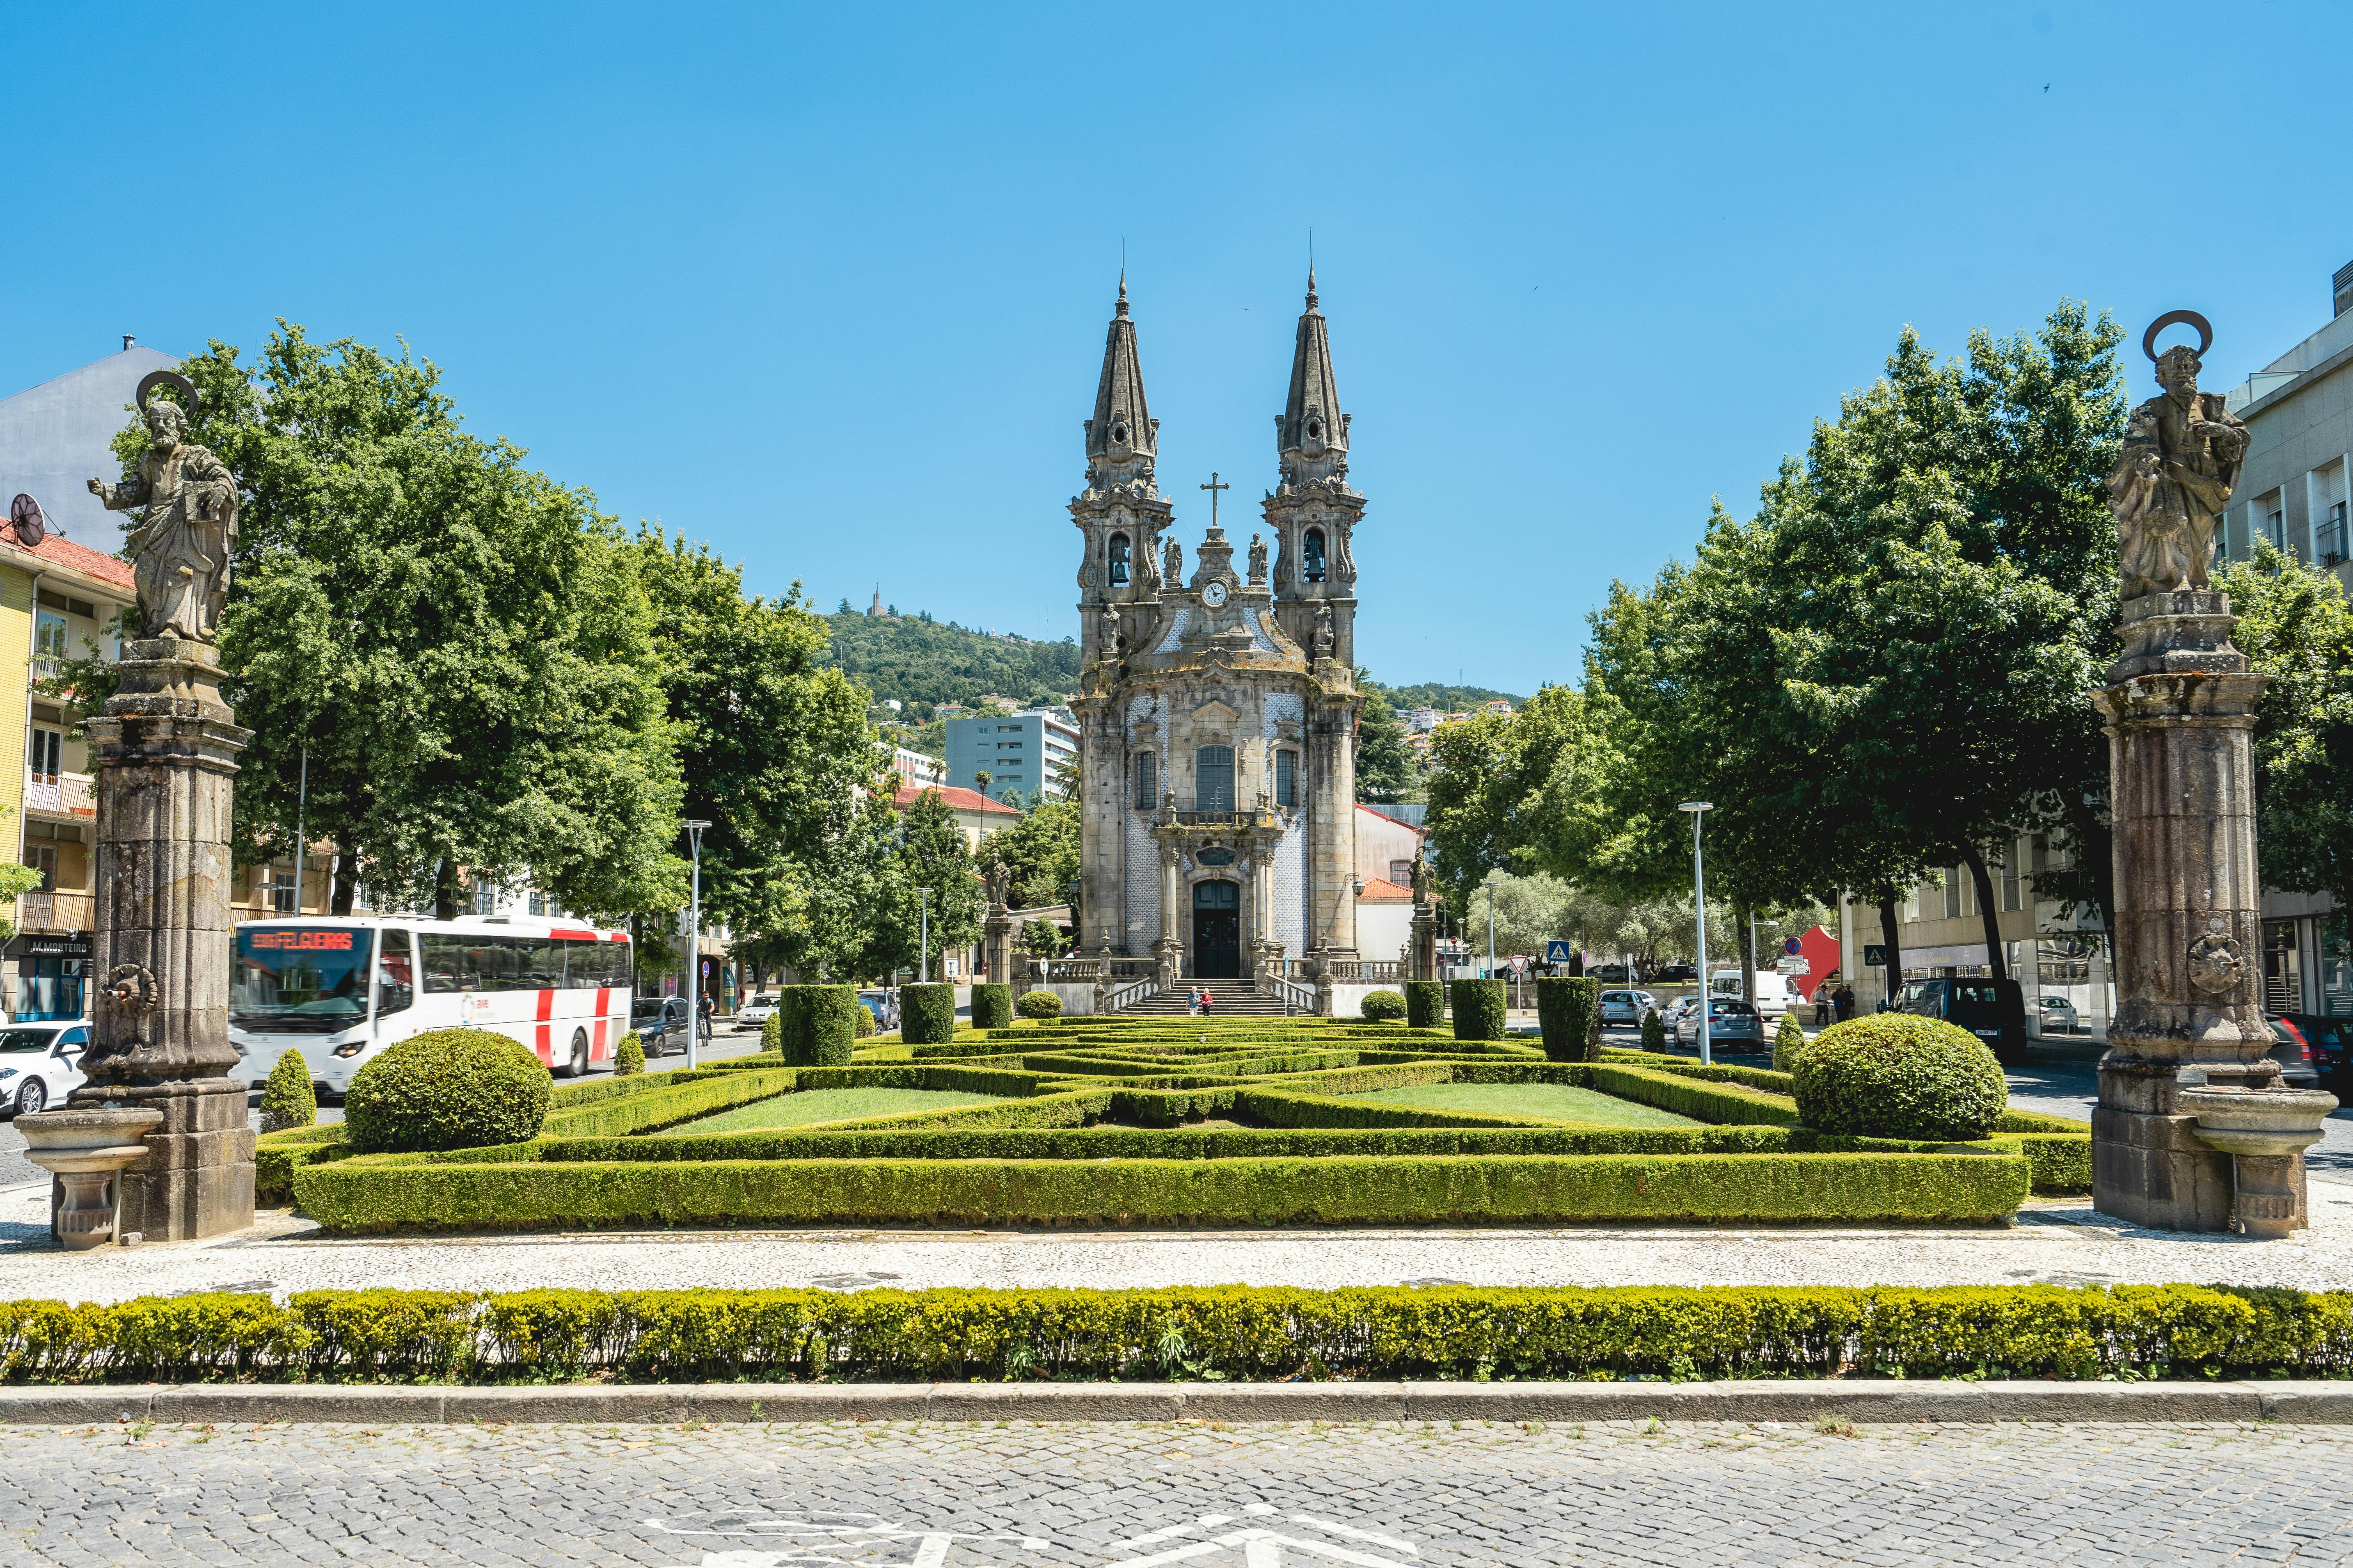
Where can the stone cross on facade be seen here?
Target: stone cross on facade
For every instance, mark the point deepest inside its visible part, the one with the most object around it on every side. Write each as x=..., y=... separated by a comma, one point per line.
x=1213, y=486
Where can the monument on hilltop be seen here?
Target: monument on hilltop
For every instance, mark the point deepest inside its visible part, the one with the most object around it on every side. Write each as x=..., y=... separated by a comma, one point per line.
x=1217, y=713
x=2193, y=1130
x=166, y=749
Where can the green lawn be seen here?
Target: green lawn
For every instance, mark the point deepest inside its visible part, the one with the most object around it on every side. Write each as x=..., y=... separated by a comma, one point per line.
x=815, y=1105
x=1556, y=1102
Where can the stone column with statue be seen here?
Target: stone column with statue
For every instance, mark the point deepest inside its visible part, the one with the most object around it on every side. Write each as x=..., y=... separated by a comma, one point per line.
x=2193, y=1130
x=166, y=749
x=1421, y=962
x=997, y=927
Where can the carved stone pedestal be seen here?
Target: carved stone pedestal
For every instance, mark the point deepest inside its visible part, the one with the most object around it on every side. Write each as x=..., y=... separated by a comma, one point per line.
x=166, y=749
x=996, y=945
x=2180, y=710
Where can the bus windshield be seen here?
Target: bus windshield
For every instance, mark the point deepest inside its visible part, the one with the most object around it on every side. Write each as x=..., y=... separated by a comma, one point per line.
x=306, y=980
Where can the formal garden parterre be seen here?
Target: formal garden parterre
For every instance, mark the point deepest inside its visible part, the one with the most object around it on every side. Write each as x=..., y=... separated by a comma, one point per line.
x=1127, y=1122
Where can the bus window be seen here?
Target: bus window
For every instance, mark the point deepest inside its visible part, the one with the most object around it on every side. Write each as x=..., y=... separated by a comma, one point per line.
x=396, y=985
x=301, y=979
x=452, y=962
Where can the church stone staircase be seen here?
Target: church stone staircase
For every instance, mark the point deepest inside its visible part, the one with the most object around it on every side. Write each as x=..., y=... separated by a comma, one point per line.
x=1228, y=999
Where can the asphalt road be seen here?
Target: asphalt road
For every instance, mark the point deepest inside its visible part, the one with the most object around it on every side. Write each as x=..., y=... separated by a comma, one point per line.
x=16, y=1170
x=949, y=1495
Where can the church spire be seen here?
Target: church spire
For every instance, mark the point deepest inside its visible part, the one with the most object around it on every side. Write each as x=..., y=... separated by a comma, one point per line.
x=1310, y=433
x=1123, y=438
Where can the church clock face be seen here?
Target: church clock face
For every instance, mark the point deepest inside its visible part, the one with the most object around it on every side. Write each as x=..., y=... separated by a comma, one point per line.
x=1213, y=594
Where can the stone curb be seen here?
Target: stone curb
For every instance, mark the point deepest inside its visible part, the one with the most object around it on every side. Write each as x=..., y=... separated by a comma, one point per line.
x=1872, y=1400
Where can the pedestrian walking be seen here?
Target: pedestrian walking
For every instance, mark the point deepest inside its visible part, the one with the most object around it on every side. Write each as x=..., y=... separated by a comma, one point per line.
x=1208, y=1000
x=1842, y=1002
x=1822, y=1004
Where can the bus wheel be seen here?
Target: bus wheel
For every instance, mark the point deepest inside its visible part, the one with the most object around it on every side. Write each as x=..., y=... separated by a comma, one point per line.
x=578, y=1063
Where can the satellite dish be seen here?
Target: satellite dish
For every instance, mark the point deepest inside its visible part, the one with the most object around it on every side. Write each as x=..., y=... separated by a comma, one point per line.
x=25, y=515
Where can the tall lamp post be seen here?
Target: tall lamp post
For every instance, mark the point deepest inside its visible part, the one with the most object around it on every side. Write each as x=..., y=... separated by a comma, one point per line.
x=1699, y=808
x=923, y=923
x=694, y=826
x=1494, y=881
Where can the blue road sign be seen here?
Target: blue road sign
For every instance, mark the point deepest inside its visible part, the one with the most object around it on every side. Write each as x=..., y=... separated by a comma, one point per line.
x=1557, y=952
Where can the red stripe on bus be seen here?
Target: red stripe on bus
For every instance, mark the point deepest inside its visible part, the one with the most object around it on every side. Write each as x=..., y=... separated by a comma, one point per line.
x=546, y=1009
x=599, y=1050
x=575, y=935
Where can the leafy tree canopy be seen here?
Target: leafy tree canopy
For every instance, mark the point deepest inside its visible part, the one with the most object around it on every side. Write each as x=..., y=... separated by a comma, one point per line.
x=2295, y=627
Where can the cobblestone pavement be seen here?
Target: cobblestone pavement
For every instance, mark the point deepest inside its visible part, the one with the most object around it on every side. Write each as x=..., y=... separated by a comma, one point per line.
x=1140, y=1495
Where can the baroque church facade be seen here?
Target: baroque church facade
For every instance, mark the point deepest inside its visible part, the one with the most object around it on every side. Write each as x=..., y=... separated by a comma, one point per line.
x=1219, y=709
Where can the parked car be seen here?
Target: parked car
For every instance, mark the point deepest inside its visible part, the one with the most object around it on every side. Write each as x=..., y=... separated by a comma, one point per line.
x=1732, y=1026
x=1608, y=974
x=660, y=1023
x=2331, y=1040
x=2056, y=1015
x=1673, y=1013
x=755, y=1014
x=2291, y=1049
x=1676, y=973
x=885, y=1005
x=1626, y=1006
x=1992, y=1010
x=39, y=1065
x=1775, y=994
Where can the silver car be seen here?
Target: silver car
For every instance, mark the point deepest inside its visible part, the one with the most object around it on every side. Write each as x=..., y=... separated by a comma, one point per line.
x=2055, y=1015
x=1626, y=1006
x=1731, y=1025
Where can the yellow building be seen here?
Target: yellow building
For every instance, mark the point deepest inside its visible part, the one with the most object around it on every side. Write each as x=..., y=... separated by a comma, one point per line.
x=58, y=599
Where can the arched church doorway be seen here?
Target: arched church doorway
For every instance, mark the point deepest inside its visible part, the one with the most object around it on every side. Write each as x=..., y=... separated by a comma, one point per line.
x=1218, y=931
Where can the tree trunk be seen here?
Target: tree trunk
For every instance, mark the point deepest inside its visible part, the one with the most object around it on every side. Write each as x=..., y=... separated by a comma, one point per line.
x=1746, y=916
x=445, y=891
x=1986, y=908
x=1894, y=944
x=346, y=874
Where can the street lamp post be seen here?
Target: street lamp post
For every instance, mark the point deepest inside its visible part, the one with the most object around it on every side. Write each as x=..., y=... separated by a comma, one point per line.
x=1699, y=808
x=1494, y=881
x=694, y=826
x=923, y=924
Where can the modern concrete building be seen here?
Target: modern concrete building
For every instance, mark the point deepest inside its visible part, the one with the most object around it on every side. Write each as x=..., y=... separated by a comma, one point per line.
x=1022, y=753
x=1218, y=711
x=2299, y=414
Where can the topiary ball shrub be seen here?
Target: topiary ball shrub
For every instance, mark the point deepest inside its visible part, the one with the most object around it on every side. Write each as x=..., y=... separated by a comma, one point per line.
x=629, y=1056
x=287, y=1097
x=446, y=1089
x=1040, y=1004
x=1654, y=1031
x=1382, y=1006
x=1569, y=1010
x=772, y=1033
x=1478, y=1009
x=927, y=1014
x=831, y=1034
x=1425, y=1003
x=1897, y=1075
x=992, y=1006
x=1787, y=1041
x=863, y=1020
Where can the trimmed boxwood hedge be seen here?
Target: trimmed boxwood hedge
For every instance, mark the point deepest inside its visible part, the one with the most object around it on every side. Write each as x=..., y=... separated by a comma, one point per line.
x=1478, y=1009
x=1038, y=1004
x=1382, y=1006
x=1897, y=1075
x=1235, y=1332
x=1568, y=1011
x=351, y=1196
x=926, y=1014
x=1425, y=1004
x=829, y=1022
x=992, y=1006
x=446, y=1089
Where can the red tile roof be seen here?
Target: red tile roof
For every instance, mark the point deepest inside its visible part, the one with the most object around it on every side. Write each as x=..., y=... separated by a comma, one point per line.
x=58, y=551
x=1380, y=889
x=956, y=799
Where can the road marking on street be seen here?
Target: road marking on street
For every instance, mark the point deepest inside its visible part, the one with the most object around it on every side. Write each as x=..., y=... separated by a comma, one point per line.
x=816, y=1537
x=1262, y=1548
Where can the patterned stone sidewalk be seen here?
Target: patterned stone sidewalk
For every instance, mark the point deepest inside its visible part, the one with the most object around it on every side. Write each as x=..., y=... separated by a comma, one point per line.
x=1140, y=1495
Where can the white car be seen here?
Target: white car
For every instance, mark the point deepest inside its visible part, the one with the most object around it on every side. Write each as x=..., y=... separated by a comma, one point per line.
x=755, y=1014
x=40, y=1065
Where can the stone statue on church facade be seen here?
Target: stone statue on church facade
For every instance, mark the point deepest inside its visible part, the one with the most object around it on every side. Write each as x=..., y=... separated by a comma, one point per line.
x=1173, y=567
x=180, y=549
x=2180, y=461
x=1257, y=560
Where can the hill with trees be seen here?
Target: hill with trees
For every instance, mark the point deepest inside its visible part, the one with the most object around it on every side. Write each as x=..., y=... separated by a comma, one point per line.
x=923, y=662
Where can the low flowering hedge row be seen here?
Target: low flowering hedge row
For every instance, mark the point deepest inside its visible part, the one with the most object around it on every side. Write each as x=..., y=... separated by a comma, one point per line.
x=384, y=1193
x=1232, y=1332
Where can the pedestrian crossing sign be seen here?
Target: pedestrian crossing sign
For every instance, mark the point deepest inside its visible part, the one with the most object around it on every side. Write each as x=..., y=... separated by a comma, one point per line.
x=1557, y=952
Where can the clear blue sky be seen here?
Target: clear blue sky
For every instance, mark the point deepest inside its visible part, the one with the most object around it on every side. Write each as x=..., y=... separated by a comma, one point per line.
x=826, y=285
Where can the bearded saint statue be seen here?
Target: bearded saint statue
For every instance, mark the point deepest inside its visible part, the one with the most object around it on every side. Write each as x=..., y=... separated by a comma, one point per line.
x=180, y=550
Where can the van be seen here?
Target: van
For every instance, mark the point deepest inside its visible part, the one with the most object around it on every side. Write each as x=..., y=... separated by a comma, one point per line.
x=1774, y=993
x=1992, y=1010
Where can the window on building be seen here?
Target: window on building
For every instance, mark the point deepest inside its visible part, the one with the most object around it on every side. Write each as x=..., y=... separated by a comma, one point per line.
x=485, y=898
x=2010, y=888
x=1147, y=788
x=1953, y=893
x=538, y=904
x=1213, y=779
x=43, y=858
x=2328, y=535
x=50, y=635
x=1119, y=561
x=1313, y=556
x=1286, y=778
x=45, y=756
x=282, y=890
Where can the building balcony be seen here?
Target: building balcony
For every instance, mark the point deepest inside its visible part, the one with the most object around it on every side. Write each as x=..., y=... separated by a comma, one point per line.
x=56, y=911
x=62, y=794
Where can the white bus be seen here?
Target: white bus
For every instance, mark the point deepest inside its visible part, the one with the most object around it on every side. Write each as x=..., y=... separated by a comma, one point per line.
x=340, y=989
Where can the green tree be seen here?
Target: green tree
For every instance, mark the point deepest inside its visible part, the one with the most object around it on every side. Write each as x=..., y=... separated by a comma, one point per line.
x=1386, y=769
x=455, y=641
x=930, y=853
x=1493, y=798
x=1042, y=850
x=2295, y=628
